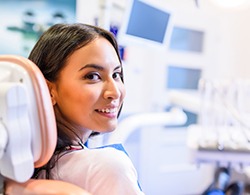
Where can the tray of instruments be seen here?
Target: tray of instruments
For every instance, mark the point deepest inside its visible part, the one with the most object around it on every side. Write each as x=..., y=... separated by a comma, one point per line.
x=230, y=145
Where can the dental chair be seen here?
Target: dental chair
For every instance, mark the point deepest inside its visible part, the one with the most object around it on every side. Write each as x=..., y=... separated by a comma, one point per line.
x=27, y=130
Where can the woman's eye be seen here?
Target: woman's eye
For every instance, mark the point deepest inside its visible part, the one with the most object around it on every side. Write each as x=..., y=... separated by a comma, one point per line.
x=117, y=75
x=93, y=76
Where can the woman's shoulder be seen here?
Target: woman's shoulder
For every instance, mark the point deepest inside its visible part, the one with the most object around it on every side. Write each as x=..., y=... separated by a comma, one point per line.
x=95, y=163
x=94, y=168
x=105, y=157
x=114, y=158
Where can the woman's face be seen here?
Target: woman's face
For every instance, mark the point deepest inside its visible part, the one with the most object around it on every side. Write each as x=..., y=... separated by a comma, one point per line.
x=89, y=91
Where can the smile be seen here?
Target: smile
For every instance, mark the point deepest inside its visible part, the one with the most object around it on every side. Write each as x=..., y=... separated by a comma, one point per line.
x=108, y=110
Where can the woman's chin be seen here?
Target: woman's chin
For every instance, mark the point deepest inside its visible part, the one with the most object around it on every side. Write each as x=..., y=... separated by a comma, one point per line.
x=106, y=130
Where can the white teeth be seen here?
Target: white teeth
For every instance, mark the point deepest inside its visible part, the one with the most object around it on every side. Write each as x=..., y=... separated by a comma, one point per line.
x=107, y=110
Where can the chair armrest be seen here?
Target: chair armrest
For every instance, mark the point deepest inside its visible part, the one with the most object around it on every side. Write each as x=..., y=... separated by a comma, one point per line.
x=42, y=186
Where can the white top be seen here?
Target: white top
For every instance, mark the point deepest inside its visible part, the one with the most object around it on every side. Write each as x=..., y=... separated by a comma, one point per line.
x=103, y=171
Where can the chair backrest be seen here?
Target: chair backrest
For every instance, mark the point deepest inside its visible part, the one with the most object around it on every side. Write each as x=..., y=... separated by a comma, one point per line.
x=27, y=128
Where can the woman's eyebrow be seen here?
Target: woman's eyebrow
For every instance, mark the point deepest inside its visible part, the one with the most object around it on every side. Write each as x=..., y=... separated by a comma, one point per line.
x=118, y=67
x=95, y=66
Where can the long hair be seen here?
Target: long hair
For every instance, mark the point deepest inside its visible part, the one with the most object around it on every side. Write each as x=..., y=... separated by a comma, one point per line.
x=50, y=54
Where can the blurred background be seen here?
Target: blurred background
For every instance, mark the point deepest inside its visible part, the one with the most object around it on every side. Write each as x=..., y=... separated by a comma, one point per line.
x=167, y=47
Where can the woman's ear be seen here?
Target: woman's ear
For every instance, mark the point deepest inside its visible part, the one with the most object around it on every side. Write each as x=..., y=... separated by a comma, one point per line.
x=52, y=88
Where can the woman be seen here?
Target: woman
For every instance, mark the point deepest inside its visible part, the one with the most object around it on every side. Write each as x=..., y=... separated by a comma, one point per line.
x=83, y=70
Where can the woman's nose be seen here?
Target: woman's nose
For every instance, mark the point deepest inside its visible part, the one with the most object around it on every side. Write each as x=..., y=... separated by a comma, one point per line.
x=112, y=90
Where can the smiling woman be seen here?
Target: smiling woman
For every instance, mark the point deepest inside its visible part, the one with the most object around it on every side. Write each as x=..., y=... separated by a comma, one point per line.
x=94, y=72
x=83, y=70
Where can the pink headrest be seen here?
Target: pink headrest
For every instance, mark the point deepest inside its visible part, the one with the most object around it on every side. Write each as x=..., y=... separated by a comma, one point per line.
x=44, y=132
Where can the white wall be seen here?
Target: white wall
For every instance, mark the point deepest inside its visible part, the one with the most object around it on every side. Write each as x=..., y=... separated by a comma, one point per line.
x=230, y=28
x=233, y=42
x=228, y=42
x=225, y=54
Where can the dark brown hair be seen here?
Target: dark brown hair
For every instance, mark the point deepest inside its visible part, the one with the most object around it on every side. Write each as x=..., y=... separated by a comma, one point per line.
x=50, y=54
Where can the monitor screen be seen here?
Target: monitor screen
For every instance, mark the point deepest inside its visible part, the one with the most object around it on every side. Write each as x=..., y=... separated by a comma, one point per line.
x=184, y=39
x=182, y=77
x=145, y=22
